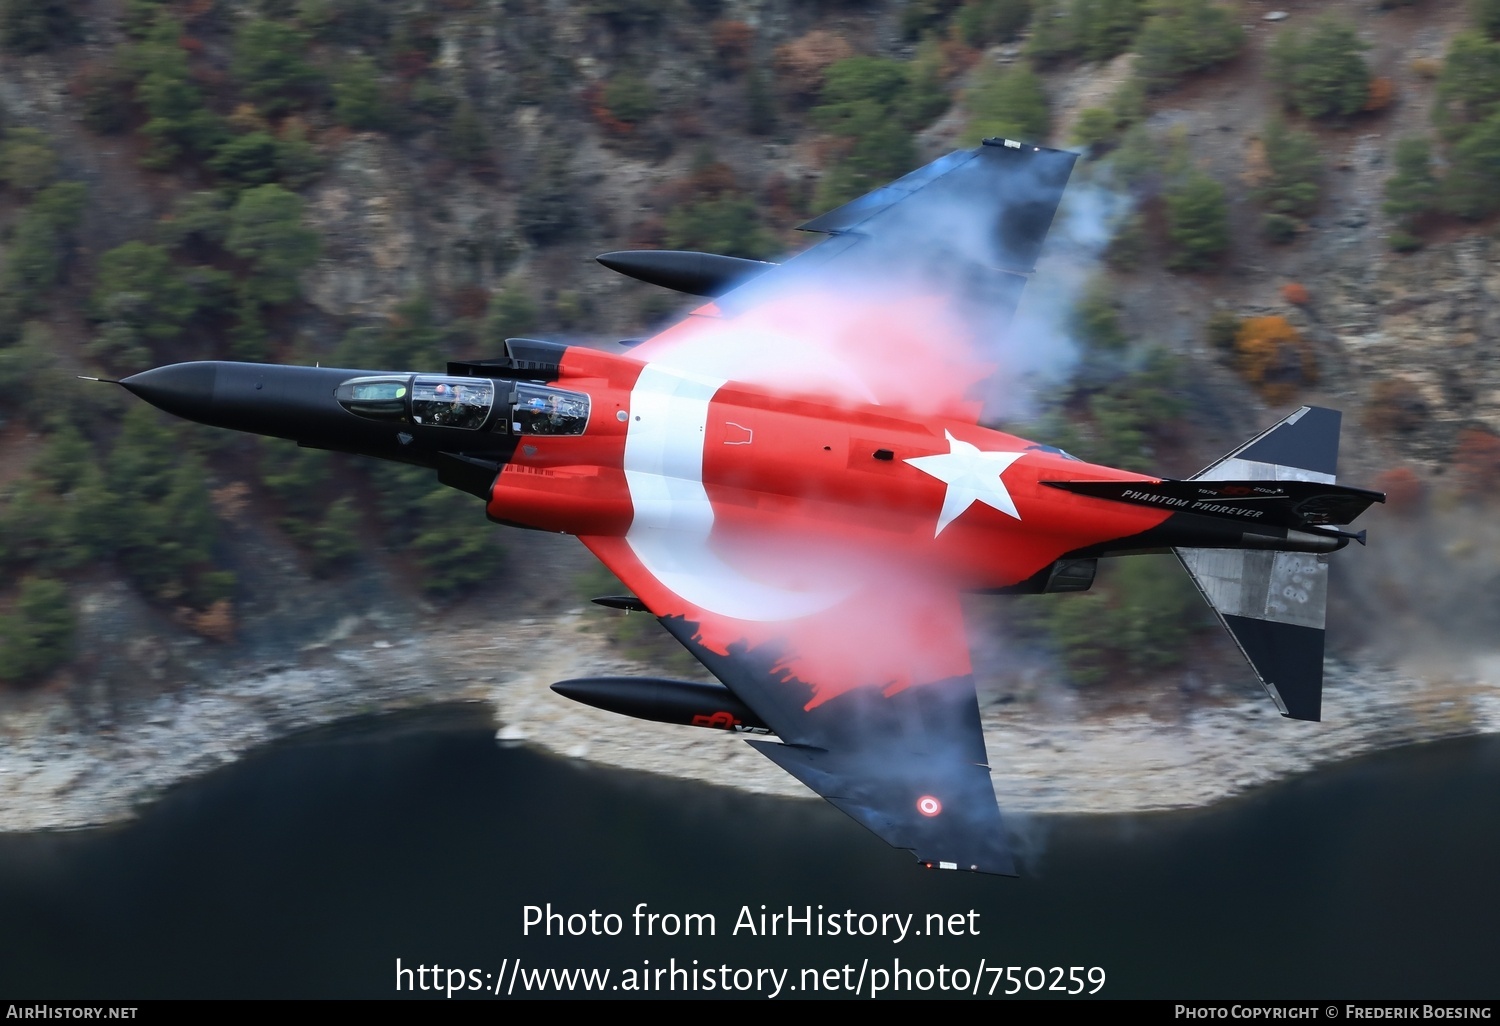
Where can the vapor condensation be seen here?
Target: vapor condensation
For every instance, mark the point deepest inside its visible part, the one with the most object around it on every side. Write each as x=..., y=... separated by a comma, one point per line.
x=1425, y=594
x=918, y=318
x=918, y=315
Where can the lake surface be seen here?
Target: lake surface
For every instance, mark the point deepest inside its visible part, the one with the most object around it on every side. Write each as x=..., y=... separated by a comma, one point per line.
x=310, y=868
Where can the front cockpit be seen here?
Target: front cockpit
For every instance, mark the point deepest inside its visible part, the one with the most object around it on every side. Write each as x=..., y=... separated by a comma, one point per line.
x=466, y=403
x=452, y=402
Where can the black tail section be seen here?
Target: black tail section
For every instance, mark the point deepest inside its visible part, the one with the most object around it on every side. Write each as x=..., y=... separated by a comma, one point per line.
x=1303, y=447
x=1274, y=603
x=1272, y=593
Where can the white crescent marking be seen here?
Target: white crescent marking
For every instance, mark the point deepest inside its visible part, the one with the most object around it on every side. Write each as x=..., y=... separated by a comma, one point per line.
x=673, y=518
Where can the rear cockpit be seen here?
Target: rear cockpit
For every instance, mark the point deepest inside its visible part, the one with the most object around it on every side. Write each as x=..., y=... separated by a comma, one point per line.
x=540, y=410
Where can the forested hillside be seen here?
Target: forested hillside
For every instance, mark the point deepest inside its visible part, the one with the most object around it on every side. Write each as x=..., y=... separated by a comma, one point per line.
x=1301, y=208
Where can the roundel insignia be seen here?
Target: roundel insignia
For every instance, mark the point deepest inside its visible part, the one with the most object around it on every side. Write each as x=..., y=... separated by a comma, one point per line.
x=927, y=805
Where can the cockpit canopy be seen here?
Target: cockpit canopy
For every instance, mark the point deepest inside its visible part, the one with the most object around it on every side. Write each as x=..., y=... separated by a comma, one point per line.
x=379, y=398
x=452, y=402
x=541, y=410
x=433, y=400
x=1055, y=451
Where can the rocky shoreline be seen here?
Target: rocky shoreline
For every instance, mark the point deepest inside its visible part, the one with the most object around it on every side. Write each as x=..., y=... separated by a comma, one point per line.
x=56, y=775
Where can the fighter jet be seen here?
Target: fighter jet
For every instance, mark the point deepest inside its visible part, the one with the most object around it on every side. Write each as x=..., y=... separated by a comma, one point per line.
x=793, y=479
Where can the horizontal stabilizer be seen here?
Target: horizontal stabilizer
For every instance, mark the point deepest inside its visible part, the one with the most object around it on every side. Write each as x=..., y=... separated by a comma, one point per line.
x=1273, y=604
x=1289, y=660
x=1295, y=504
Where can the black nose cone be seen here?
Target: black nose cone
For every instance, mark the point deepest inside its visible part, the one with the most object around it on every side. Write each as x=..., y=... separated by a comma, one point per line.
x=183, y=389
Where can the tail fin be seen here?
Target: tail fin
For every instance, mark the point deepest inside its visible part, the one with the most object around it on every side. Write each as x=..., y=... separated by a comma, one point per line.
x=1274, y=603
x=1304, y=447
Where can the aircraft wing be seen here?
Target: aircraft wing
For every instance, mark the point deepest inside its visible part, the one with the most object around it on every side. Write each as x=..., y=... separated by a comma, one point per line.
x=906, y=301
x=871, y=693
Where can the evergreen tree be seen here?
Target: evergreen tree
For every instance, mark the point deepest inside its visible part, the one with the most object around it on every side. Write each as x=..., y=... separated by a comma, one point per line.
x=858, y=80
x=246, y=160
x=164, y=530
x=1051, y=32
x=730, y=224
x=38, y=635
x=925, y=97
x=33, y=526
x=434, y=524
x=33, y=381
x=452, y=555
x=40, y=241
x=1411, y=193
x=1474, y=167
x=1197, y=220
x=1136, y=619
x=1322, y=74
x=269, y=64
x=867, y=103
x=27, y=162
x=410, y=339
x=1290, y=192
x=265, y=228
x=1007, y=104
x=1184, y=36
x=198, y=219
x=178, y=121
x=1096, y=320
x=327, y=532
x=56, y=516
x=982, y=23
x=357, y=96
x=1104, y=28
x=334, y=540
x=139, y=284
x=1468, y=89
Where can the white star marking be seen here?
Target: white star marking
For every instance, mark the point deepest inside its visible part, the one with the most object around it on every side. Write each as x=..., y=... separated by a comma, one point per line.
x=971, y=476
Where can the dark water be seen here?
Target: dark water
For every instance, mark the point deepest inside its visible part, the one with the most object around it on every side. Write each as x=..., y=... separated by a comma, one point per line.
x=309, y=869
